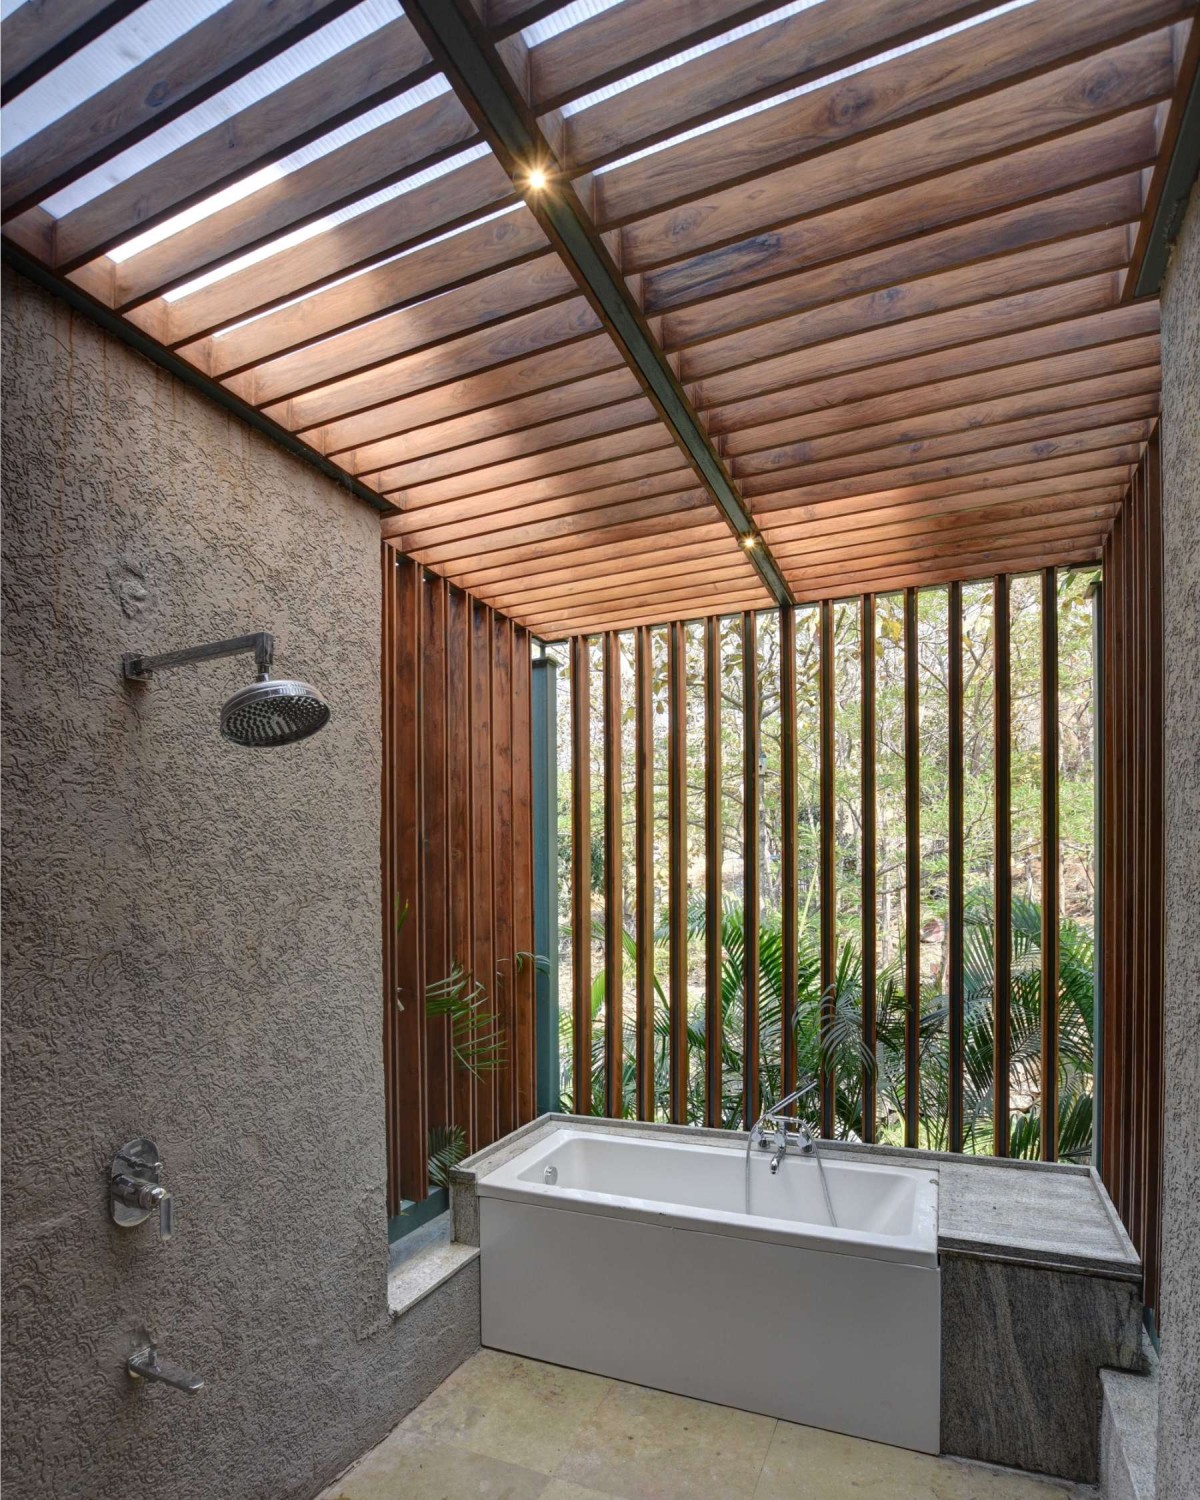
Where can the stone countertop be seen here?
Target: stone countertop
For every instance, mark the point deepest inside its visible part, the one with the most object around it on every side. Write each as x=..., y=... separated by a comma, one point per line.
x=1034, y=1213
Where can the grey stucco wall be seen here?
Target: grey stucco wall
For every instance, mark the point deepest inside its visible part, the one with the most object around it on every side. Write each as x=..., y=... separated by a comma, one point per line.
x=191, y=950
x=1179, y=1391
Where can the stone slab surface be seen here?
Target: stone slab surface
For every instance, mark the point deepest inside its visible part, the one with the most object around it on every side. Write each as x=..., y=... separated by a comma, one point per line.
x=1022, y=1348
x=1128, y=1435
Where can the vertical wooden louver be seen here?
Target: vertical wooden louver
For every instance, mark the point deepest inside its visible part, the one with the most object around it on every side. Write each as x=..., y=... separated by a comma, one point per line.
x=456, y=847
x=1131, y=877
x=750, y=968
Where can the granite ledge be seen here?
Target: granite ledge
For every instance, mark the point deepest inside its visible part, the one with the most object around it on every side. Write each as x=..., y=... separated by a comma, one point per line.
x=1030, y=1213
x=419, y=1268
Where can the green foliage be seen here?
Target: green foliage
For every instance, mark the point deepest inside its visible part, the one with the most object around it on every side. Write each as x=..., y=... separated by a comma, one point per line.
x=843, y=1054
x=447, y=1147
x=477, y=1037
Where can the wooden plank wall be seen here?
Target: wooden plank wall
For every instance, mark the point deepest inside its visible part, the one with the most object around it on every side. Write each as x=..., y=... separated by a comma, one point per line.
x=457, y=854
x=1132, y=892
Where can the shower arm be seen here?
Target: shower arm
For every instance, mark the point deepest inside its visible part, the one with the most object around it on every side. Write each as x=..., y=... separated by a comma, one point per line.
x=139, y=668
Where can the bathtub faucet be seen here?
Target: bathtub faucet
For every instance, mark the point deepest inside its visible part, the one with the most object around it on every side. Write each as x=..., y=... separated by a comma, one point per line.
x=785, y=1129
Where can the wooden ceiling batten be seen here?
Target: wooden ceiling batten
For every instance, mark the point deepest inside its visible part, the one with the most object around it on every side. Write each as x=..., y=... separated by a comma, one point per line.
x=685, y=543
x=799, y=49
x=888, y=323
x=589, y=454
x=403, y=223
x=567, y=495
x=548, y=448
x=469, y=59
x=619, y=41
x=867, y=492
x=1039, y=437
x=963, y=570
x=379, y=159
x=916, y=400
x=972, y=65
x=1043, y=325
x=1019, y=501
x=1104, y=207
x=970, y=418
x=526, y=424
x=902, y=214
x=539, y=373
x=492, y=244
x=486, y=304
x=1039, y=110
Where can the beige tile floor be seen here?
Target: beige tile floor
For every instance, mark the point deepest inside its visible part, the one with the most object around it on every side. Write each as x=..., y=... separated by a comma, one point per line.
x=503, y=1428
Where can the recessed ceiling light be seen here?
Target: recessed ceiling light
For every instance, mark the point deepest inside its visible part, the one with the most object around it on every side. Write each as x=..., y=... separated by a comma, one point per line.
x=537, y=179
x=749, y=542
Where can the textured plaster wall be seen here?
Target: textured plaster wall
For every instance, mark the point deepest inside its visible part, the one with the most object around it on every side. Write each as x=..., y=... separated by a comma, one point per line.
x=192, y=950
x=1179, y=1394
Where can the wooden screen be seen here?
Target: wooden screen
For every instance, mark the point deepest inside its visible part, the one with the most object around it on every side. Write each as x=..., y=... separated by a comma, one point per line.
x=867, y=286
x=457, y=847
x=834, y=850
x=1132, y=899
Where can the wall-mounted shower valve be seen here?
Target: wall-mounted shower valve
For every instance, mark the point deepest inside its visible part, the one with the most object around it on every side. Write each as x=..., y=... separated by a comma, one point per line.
x=135, y=1188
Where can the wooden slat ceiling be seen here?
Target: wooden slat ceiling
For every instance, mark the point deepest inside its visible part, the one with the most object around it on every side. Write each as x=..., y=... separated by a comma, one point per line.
x=883, y=252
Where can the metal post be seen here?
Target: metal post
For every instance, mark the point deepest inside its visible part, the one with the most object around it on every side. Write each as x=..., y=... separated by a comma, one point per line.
x=545, y=883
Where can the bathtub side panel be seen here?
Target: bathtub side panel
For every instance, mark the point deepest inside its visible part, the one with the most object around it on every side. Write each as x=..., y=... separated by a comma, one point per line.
x=834, y=1341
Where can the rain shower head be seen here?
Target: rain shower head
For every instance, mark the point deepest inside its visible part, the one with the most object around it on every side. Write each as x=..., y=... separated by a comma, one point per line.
x=266, y=713
x=273, y=713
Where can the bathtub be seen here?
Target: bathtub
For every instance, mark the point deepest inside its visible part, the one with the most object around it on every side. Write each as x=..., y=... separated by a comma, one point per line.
x=636, y=1258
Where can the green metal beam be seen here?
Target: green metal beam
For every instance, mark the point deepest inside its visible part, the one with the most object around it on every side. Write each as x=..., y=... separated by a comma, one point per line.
x=1173, y=200
x=462, y=49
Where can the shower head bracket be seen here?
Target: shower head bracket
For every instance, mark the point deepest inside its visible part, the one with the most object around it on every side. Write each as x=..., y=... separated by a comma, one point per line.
x=139, y=668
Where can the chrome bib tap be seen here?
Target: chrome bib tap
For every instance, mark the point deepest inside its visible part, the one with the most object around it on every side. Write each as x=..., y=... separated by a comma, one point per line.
x=784, y=1130
x=144, y=1364
x=775, y=1131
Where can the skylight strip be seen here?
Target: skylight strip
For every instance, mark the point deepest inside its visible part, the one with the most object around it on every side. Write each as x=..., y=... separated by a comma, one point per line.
x=817, y=83
x=351, y=130
x=678, y=59
x=302, y=57
x=565, y=19
x=330, y=221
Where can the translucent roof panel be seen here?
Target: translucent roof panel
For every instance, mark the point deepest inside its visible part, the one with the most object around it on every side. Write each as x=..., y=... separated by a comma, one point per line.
x=148, y=30
x=563, y=20
x=309, y=53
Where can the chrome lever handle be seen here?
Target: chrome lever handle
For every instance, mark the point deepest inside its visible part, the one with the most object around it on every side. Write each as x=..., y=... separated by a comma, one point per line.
x=144, y=1364
x=135, y=1188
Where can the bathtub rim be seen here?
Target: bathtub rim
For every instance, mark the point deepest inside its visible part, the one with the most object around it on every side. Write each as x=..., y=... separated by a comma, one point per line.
x=918, y=1248
x=984, y=1201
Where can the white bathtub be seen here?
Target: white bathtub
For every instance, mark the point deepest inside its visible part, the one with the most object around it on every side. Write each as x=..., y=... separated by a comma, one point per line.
x=640, y=1262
